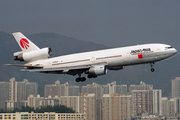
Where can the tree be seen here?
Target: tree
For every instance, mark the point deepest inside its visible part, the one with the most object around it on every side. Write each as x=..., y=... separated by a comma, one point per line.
x=57, y=109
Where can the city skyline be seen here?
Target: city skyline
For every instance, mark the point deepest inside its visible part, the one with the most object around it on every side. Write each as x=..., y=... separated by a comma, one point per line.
x=114, y=87
x=95, y=101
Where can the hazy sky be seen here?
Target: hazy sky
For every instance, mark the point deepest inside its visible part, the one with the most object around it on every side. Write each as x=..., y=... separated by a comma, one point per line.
x=110, y=22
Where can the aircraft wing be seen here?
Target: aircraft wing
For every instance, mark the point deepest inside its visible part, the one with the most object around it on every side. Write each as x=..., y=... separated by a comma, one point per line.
x=68, y=68
x=60, y=68
x=26, y=66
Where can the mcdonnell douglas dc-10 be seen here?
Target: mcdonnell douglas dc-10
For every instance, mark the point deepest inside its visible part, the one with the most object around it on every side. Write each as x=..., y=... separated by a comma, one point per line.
x=93, y=63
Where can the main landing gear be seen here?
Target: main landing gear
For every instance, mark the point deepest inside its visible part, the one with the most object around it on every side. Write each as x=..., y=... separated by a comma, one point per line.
x=82, y=79
x=90, y=76
x=152, y=69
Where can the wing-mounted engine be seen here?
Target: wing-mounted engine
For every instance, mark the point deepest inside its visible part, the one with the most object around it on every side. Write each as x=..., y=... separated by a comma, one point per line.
x=97, y=70
x=33, y=55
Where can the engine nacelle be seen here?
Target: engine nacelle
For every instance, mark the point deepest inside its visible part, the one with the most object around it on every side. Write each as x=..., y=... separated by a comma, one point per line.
x=97, y=70
x=33, y=55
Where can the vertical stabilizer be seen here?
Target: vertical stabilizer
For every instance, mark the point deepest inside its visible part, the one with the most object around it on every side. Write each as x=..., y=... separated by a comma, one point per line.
x=25, y=44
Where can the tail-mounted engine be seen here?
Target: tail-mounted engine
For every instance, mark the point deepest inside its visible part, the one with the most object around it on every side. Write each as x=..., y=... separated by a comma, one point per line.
x=33, y=55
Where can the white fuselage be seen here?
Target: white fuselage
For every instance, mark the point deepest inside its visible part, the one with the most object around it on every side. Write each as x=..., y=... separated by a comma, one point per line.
x=94, y=63
x=115, y=58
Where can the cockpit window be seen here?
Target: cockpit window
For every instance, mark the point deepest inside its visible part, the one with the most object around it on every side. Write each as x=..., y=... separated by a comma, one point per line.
x=168, y=47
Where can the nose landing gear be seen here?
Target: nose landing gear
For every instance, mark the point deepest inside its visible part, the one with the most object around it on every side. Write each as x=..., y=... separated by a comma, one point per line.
x=152, y=69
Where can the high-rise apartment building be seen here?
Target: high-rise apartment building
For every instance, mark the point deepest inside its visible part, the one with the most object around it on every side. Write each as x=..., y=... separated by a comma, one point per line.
x=24, y=89
x=121, y=89
x=112, y=88
x=177, y=106
x=14, y=93
x=4, y=93
x=31, y=88
x=175, y=87
x=165, y=106
x=56, y=89
x=174, y=106
x=105, y=89
x=21, y=91
x=93, y=89
x=81, y=101
x=52, y=89
x=64, y=90
x=99, y=90
x=31, y=101
x=146, y=101
x=90, y=107
x=71, y=102
x=51, y=101
x=13, y=90
x=116, y=107
x=39, y=101
x=85, y=103
x=73, y=90
x=122, y=107
x=141, y=86
x=107, y=107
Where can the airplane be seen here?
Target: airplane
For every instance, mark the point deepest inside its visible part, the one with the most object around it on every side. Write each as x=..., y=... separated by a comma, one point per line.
x=93, y=63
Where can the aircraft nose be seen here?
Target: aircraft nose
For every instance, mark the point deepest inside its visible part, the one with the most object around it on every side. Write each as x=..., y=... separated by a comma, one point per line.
x=174, y=51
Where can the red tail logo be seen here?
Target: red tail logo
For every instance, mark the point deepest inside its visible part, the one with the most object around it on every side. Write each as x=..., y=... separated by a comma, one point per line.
x=24, y=43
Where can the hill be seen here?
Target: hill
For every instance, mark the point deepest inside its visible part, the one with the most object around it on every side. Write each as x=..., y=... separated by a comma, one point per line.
x=161, y=78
